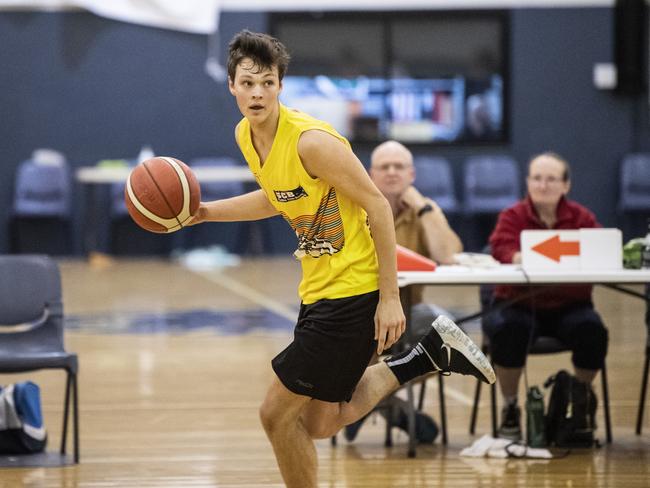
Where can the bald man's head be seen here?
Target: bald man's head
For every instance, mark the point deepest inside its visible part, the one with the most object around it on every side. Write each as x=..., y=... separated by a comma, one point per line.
x=391, y=150
x=391, y=168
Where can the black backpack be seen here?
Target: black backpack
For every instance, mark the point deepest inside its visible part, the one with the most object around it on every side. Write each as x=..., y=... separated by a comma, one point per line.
x=570, y=418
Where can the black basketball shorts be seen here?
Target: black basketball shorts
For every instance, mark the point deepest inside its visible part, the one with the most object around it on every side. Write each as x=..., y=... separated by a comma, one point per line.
x=332, y=346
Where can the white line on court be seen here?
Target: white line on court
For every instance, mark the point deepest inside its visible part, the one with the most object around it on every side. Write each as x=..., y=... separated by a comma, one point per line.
x=458, y=396
x=287, y=312
x=249, y=293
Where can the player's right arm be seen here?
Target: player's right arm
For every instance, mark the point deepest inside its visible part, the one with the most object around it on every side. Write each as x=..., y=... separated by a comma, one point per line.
x=249, y=206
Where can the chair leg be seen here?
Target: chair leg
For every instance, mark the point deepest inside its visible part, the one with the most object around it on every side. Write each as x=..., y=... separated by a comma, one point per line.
x=333, y=440
x=443, y=409
x=608, y=423
x=493, y=393
x=411, y=421
x=388, y=435
x=66, y=411
x=423, y=390
x=75, y=413
x=644, y=385
x=477, y=399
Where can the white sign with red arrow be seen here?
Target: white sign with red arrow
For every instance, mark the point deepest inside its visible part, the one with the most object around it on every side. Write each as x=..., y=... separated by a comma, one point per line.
x=550, y=249
x=594, y=249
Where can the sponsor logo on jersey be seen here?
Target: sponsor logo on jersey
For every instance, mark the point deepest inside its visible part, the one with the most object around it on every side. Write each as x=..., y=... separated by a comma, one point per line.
x=290, y=195
x=320, y=233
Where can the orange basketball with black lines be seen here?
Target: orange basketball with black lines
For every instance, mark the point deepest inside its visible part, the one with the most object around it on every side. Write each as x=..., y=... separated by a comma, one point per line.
x=162, y=194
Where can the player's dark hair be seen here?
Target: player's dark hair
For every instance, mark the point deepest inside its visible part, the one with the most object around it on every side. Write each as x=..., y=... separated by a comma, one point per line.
x=265, y=52
x=550, y=154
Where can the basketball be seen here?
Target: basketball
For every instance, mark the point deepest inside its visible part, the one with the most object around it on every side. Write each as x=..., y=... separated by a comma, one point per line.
x=162, y=194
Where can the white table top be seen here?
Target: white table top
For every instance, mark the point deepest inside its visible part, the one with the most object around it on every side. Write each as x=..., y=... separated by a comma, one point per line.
x=95, y=174
x=513, y=274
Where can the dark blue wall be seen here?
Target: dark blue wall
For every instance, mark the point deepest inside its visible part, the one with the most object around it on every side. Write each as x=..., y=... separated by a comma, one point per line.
x=556, y=106
x=95, y=89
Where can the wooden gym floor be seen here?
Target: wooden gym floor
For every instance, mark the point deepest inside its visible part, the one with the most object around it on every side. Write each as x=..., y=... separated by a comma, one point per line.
x=174, y=364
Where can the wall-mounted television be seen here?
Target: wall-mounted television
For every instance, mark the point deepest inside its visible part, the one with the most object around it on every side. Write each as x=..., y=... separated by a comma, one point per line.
x=432, y=77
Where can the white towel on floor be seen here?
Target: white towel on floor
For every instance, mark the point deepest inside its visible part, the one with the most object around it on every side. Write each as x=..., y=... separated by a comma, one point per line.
x=488, y=446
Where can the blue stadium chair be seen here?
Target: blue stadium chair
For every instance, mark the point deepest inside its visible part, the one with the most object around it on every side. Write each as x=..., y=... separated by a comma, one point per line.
x=491, y=184
x=634, y=198
x=118, y=203
x=31, y=319
x=434, y=179
x=41, y=214
x=635, y=183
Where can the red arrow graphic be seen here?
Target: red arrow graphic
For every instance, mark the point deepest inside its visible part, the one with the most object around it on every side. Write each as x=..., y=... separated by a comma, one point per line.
x=553, y=248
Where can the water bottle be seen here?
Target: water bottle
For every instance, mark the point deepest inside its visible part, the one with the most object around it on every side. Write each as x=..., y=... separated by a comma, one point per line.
x=645, y=258
x=535, y=429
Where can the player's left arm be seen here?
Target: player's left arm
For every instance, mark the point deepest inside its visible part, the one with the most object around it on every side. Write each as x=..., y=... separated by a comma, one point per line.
x=326, y=157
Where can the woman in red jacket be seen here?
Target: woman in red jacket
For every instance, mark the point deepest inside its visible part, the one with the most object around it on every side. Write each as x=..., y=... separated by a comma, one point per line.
x=565, y=312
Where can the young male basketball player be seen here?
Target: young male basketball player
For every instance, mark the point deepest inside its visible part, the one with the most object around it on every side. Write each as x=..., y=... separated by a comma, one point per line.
x=346, y=244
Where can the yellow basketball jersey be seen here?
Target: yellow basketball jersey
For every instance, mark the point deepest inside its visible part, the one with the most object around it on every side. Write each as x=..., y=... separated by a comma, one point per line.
x=334, y=243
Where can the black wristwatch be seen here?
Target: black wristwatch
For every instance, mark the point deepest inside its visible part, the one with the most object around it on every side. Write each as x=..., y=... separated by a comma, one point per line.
x=426, y=208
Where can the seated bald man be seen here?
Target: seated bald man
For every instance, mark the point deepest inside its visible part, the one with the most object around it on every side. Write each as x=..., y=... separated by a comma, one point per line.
x=420, y=225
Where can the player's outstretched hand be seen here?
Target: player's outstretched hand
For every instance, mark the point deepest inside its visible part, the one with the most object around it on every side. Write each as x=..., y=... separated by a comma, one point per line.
x=390, y=323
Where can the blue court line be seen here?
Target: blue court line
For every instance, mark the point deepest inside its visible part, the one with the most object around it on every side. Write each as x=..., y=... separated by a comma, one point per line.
x=224, y=322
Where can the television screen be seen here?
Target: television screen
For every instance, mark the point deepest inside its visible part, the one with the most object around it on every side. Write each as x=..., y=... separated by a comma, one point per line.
x=417, y=77
x=406, y=109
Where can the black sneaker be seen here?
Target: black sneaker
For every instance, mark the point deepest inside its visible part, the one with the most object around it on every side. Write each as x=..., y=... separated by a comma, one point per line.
x=510, y=427
x=451, y=351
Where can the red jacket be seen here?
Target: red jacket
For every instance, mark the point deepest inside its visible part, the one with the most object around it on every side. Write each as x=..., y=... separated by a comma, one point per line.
x=505, y=243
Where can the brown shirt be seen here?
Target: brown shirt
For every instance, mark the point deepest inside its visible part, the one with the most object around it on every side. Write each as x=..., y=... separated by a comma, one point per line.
x=410, y=234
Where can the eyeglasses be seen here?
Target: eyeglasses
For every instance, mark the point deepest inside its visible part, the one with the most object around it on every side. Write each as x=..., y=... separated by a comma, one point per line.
x=549, y=180
x=395, y=166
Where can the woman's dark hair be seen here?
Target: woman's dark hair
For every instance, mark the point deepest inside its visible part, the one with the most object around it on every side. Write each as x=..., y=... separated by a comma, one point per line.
x=265, y=52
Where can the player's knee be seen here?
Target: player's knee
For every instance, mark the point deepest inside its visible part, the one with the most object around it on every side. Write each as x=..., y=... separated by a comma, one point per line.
x=272, y=417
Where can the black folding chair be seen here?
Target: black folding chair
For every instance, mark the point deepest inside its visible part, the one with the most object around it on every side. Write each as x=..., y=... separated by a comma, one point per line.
x=31, y=314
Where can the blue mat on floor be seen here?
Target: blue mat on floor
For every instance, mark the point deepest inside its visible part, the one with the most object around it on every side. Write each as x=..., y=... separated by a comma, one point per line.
x=179, y=322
